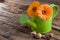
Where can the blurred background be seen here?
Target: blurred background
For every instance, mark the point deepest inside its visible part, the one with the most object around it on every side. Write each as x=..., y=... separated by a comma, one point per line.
x=1, y=0
x=48, y=1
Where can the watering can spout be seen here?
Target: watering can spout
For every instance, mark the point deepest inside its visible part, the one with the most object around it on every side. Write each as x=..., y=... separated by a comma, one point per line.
x=55, y=12
x=31, y=24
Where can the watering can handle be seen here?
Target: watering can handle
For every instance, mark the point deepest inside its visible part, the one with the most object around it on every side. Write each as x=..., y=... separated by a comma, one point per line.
x=55, y=10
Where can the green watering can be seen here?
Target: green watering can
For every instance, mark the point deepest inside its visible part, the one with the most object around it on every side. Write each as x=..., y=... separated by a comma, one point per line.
x=38, y=25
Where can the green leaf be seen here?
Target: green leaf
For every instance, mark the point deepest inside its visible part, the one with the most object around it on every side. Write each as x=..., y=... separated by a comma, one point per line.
x=36, y=19
x=23, y=18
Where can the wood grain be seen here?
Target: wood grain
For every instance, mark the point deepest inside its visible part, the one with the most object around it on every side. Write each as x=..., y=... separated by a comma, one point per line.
x=11, y=29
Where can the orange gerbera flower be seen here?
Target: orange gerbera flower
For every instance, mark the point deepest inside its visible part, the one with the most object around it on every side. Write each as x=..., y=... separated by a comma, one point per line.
x=45, y=11
x=32, y=9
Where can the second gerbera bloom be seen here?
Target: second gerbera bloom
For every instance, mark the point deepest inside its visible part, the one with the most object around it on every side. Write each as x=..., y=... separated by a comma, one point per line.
x=45, y=11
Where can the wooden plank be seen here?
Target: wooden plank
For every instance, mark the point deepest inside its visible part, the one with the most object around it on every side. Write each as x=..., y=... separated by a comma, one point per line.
x=9, y=22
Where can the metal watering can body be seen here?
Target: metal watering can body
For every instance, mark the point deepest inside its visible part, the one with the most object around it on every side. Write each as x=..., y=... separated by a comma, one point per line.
x=45, y=26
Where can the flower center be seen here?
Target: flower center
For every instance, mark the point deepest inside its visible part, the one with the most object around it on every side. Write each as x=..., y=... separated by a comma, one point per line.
x=44, y=12
x=34, y=9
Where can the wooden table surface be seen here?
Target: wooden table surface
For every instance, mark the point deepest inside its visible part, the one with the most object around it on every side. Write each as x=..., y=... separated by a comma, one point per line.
x=10, y=28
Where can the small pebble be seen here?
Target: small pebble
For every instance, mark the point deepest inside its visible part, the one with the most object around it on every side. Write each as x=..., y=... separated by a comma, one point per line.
x=33, y=33
x=51, y=35
x=37, y=35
